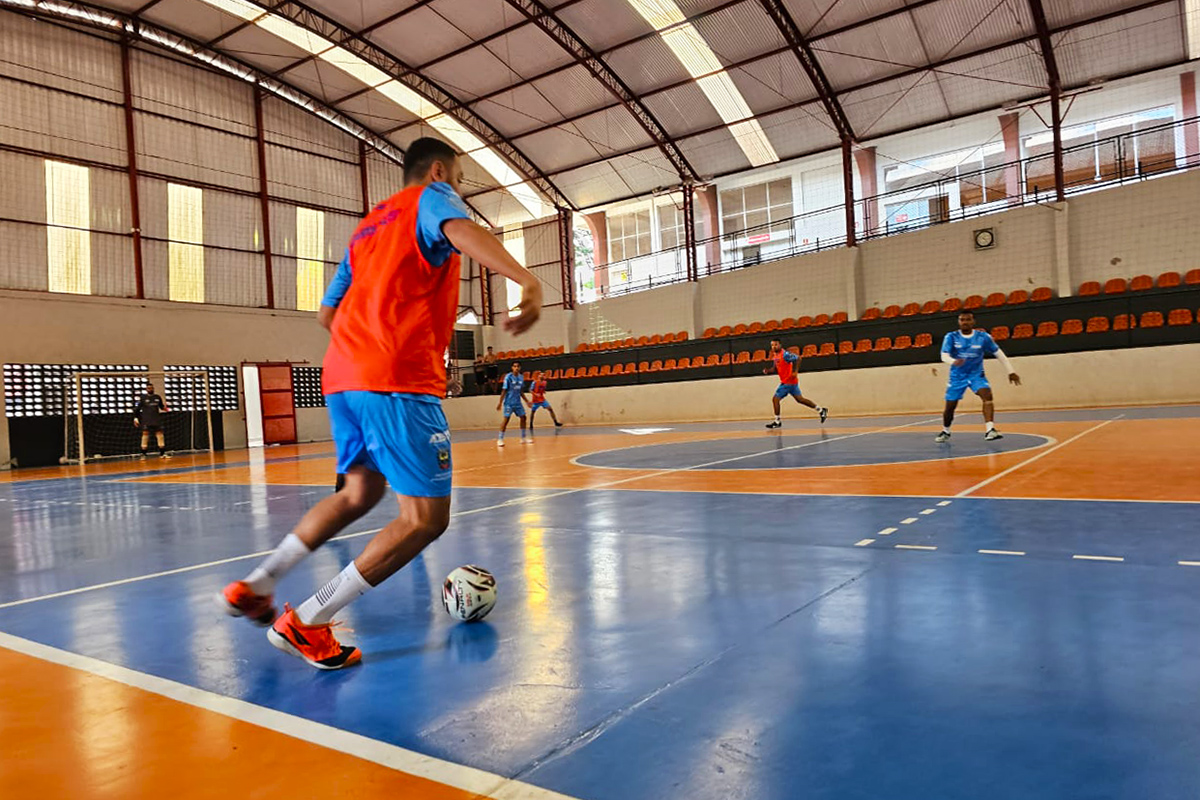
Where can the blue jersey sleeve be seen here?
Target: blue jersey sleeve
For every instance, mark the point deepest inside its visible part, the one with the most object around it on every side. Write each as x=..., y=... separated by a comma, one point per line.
x=947, y=343
x=339, y=285
x=438, y=205
x=788, y=355
x=989, y=344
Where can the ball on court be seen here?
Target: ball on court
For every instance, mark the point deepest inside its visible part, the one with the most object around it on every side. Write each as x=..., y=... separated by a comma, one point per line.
x=469, y=593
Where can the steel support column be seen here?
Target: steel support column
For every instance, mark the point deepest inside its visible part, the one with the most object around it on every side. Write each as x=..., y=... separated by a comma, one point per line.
x=566, y=257
x=362, y=176
x=485, y=295
x=264, y=199
x=135, y=206
x=848, y=183
x=689, y=233
x=1055, y=82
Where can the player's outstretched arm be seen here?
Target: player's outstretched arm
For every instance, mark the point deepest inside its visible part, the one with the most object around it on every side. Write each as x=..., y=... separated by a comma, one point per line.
x=325, y=317
x=1013, y=377
x=474, y=240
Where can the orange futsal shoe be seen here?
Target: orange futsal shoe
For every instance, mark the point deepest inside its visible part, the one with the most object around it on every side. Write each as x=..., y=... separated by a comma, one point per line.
x=316, y=644
x=239, y=601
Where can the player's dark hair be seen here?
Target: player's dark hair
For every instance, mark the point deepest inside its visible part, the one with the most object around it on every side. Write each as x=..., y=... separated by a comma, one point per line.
x=421, y=155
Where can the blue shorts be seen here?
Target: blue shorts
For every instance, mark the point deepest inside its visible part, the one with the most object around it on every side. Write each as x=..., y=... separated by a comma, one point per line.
x=960, y=383
x=511, y=408
x=404, y=437
x=788, y=388
x=540, y=404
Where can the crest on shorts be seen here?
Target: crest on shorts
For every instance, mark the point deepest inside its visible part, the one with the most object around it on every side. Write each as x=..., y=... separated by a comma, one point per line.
x=443, y=459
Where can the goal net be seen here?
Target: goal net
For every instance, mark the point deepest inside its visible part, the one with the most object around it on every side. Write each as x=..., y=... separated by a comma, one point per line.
x=99, y=411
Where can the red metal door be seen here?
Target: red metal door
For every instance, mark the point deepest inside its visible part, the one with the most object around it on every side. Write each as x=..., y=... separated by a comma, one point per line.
x=278, y=403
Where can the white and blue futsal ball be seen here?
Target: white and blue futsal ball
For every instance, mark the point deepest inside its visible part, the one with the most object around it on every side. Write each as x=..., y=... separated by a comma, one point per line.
x=469, y=593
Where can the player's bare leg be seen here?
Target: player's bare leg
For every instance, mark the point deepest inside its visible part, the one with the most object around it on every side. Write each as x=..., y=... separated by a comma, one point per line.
x=523, y=439
x=947, y=421
x=822, y=410
x=162, y=444
x=252, y=597
x=145, y=441
x=776, y=423
x=989, y=415
x=503, y=428
x=553, y=416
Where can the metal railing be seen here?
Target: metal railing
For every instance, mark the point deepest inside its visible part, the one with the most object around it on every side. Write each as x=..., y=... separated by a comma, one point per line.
x=1090, y=166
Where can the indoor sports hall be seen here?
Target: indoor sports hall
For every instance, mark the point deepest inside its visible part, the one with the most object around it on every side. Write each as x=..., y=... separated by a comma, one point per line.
x=773, y=551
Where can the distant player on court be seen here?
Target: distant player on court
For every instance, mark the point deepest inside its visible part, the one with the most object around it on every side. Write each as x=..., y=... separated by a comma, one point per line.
x=964, y=350
x=512, y=398
x=537, y=393
x=786, y=364
x=147, y=415
x=384, y=377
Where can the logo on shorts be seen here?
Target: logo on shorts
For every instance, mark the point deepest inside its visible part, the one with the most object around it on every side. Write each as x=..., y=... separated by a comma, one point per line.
x=440, y=438
x=443, y=459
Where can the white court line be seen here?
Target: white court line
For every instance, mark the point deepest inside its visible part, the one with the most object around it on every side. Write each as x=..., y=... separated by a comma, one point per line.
x=1098, y=558
x=863, y=542
x=468, y=779
x=928, y=511
x=908, y=520
x=945, y=503
x=1189, y=563
x=1032, y=459
x=522, y=500
x=888, y=531
x=914, y=547
x=1003, y=552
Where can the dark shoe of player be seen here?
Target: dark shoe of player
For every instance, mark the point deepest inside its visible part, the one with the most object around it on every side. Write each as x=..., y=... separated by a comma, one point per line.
x=775, y=424
x=993, y=435
x=558, y=424
x=942, y=438
x=824, y=412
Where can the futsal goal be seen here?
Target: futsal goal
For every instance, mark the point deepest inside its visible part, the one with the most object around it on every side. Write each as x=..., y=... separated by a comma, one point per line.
x=99, y=412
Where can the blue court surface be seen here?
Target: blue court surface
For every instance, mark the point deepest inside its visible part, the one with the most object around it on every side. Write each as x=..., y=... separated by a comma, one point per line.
x=652, y=643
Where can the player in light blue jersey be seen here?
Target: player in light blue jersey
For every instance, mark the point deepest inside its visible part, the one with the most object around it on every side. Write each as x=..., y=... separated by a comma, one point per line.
x=964, y=350
x=512, y=398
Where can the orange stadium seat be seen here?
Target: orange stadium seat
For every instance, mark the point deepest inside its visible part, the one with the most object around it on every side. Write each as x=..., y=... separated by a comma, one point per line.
x=1180, y=316
x=910, y=310
x=724, y=330
x=902, y=343
x=827, y=349
x=655, y=366
x=631, y=368
x=931, y=307
x=862, y=346
x=804, y=322
x=681, y=336
x=759, y=355
x=618, y=369
x=605, y=369
x=643, y=341
x=1192, y=277
x=1000, y=333
x=739, y=329
x=952, y=304
x=1097, y=324
x=1046, y=329
x=743, y=357
x=520, y=354
x=629, y=342
x=973, y=302
x=839, y=318
x=754, y=327
x=883, y=343
x=845, y=347
x=1168, y=280
x=810, y=351
x=1041, y=294
x=923, y=340
x=726, y=358
x=1141, y=283
x=871, y=313
x=713, y=361
x=820, y=319
x=771, y=325
x=1115, y=286
x=1123, y=322
x=1089, y=288
x=643, y=366
x=668, y=364
x=668, y=338
x=787, y=323
x=1017, y=297
x=541, y=351
x=891, y=312
x=1071, y=327
x=1152, y=319
x=569, y=373
x=592, y=372
x=656, y=339
x=1022, y=331
x=995, y=299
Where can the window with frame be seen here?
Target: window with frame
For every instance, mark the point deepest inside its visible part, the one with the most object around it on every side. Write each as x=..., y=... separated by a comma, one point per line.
x=670, y=225
x=310, y=258
x=68, y=218
x=764, y=208
x=185, y=250
x=629, y=235
x=1103, y=150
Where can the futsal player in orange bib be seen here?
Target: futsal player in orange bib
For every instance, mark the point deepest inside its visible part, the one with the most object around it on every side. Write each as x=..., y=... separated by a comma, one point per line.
x=537, y=399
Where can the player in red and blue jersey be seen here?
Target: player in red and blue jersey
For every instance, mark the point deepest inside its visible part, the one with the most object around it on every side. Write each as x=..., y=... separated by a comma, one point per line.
x=787, y=364
x=964, y=350
x=537, y=399
x=391, y=312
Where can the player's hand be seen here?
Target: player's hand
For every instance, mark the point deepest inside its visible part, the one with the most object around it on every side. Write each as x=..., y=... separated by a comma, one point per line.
x=497, y=406
x=1014, y=379
x=958, y=362
x=527, y=311
x=137, y=423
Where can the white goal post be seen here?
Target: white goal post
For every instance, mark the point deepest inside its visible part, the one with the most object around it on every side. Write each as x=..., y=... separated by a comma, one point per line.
x=98, y=413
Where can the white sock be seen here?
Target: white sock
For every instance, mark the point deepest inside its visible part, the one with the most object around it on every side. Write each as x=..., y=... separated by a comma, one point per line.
x=290, y=552
x=777, y=418
x=946, y=429
x=991, y=426
x=346, y=587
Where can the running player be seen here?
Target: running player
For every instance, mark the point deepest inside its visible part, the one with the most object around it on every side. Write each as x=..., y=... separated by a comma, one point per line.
x=787, y=364
x=384, y=378
x=512, y=397
x=538, y=400
x=964, y=350
x=147, y=415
